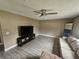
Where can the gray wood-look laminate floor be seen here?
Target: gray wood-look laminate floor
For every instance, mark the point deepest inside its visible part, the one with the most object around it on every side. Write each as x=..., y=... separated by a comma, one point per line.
x=31, y=50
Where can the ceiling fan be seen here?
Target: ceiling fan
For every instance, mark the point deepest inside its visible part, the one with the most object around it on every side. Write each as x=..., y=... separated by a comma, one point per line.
x=44, y=12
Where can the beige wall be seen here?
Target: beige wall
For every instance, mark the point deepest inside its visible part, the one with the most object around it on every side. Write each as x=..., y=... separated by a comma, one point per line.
x=10, y=22
x=53, y=27
x=76, y=28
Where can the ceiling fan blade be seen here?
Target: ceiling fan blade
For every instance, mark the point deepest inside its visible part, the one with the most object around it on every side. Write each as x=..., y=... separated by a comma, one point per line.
x=51, y=13
x=42, y=10
x=48, y=10
x=37, y=12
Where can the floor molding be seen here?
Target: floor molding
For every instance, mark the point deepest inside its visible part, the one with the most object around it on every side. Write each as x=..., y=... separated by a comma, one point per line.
x=46, y=35
x=37, y=35
x=7, y=49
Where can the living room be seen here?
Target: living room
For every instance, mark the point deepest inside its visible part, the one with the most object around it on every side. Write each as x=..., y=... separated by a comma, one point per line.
x=49, y=26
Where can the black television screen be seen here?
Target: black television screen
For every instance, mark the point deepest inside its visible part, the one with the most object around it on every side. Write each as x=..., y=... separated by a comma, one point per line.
x=25, y=30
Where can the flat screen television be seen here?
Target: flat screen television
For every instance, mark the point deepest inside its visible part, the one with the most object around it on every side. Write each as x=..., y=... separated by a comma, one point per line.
x=25, y=30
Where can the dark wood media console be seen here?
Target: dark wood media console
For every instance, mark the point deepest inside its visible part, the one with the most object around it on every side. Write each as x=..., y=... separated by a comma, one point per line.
x=24, y=39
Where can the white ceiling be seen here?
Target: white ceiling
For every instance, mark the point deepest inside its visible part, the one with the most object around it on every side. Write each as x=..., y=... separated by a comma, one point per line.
x=65, y=8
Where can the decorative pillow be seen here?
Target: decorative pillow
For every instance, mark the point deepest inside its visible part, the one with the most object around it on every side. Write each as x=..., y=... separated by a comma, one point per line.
x=47, y=55
x=75, y=45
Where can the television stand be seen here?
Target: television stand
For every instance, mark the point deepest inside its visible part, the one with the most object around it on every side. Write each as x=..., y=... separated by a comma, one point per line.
x=24, y=39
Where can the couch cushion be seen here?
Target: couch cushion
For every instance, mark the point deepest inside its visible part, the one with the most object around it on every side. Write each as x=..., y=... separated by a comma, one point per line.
x=71, y=39
x=64, y=44
x=66, y=50
x=75, y=45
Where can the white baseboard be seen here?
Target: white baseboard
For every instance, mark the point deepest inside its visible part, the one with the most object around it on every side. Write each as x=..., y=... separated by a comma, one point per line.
x=46, y=35
x=37, y=35
x=7, y=49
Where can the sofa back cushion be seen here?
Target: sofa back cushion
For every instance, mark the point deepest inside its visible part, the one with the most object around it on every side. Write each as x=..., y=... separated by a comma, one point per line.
x=75, y=45
x=71, y=39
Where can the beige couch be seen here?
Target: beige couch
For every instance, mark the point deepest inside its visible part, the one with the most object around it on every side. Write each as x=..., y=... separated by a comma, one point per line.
x=74, y=44
x=70, y=47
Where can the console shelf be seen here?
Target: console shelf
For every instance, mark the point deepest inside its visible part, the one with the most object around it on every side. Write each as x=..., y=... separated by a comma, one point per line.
x=24, y=39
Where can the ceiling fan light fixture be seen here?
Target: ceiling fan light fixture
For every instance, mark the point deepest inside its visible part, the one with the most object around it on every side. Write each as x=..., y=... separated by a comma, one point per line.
x=44, y=12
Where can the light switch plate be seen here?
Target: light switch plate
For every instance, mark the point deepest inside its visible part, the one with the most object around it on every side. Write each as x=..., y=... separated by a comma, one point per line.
x=7, y=33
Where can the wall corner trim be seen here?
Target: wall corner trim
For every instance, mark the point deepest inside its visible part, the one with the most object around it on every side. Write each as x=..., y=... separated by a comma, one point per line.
x=7, y=49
